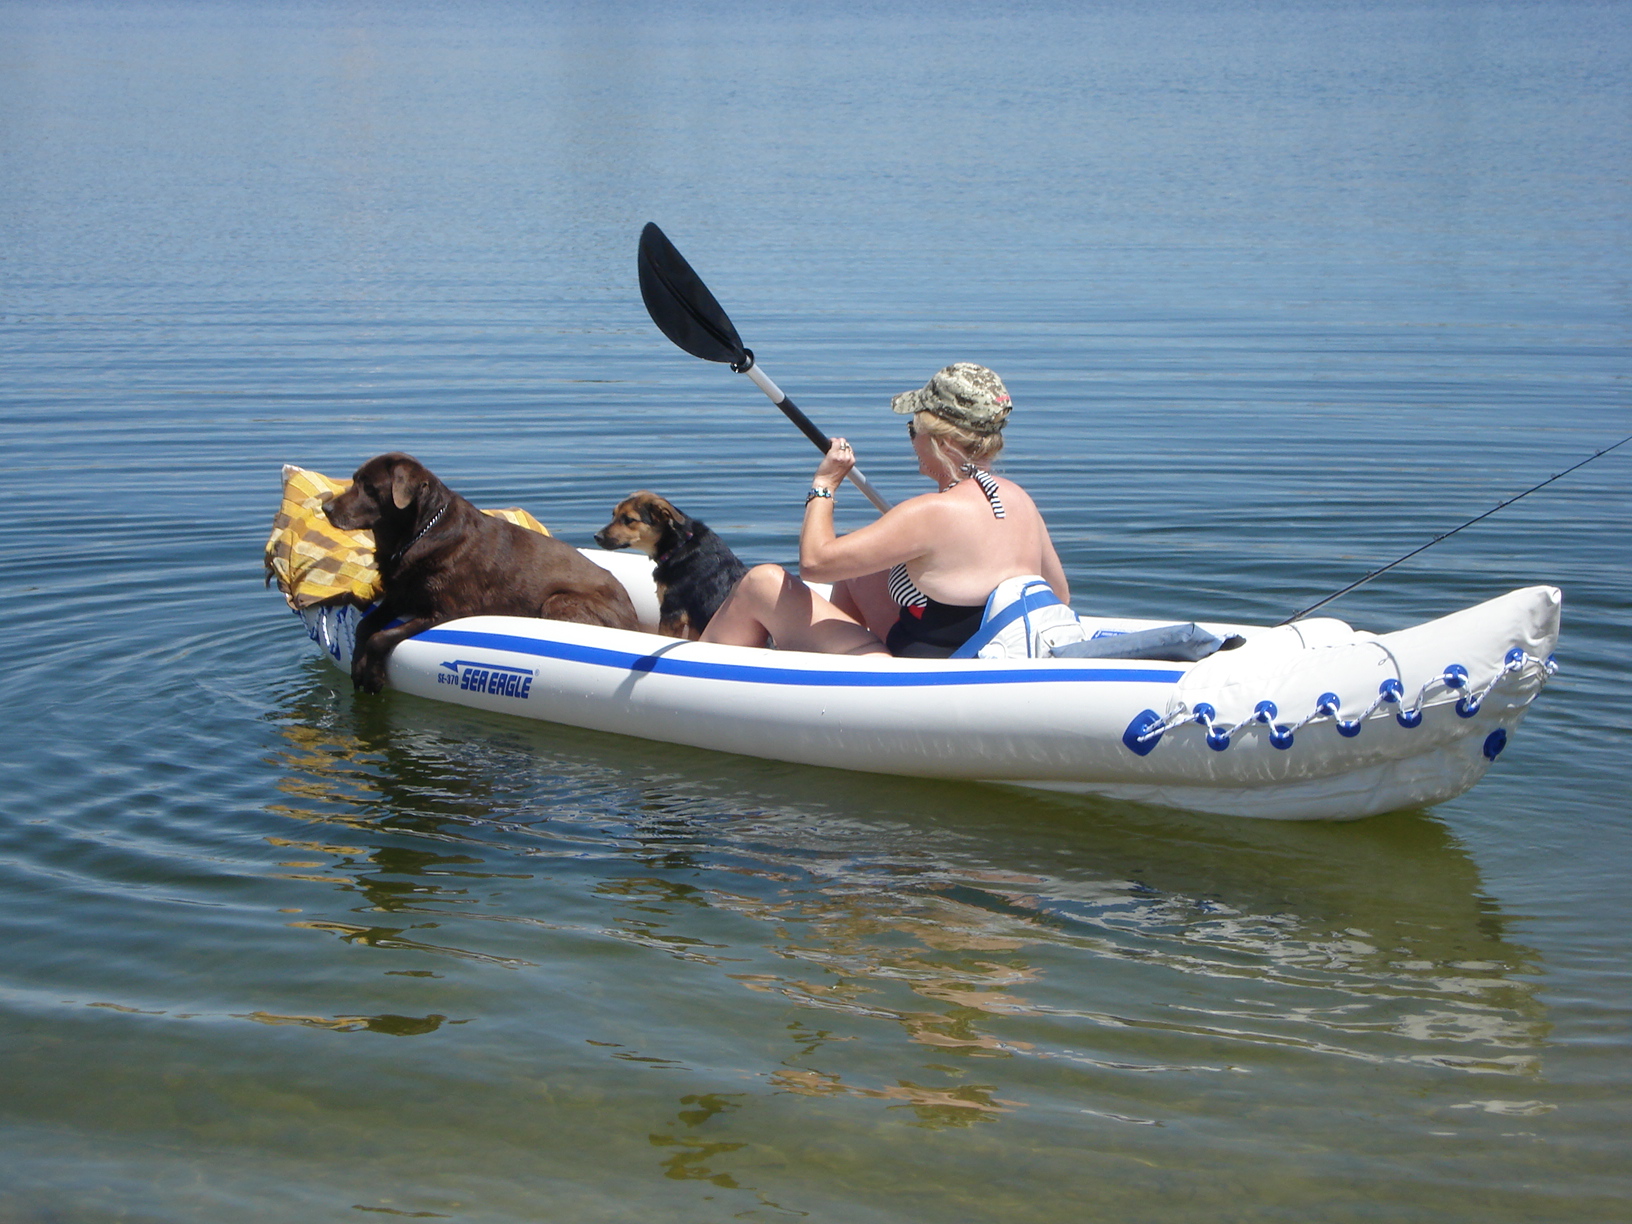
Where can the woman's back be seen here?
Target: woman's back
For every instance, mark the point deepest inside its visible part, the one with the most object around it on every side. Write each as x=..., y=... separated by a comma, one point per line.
x=969, y=550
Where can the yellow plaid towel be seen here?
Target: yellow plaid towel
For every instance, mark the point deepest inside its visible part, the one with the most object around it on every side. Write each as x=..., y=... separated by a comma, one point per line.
x=315, y=563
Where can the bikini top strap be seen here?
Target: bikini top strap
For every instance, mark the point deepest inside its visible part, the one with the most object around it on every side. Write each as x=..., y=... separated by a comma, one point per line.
x=988, y=486
x=904, y=590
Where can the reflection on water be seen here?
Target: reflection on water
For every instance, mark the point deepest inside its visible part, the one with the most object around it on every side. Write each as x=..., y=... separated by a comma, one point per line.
x=608, y=955
x=395, y=1026
x=689, y=1161
x=926, y=943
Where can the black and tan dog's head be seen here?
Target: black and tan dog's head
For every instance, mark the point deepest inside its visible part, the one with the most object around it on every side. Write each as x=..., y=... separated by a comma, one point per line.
x=694, y=570
x=643, y=521
x=385, y=490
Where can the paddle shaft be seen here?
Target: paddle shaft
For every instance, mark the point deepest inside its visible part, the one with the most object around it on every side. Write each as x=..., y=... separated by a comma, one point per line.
x=808, y=428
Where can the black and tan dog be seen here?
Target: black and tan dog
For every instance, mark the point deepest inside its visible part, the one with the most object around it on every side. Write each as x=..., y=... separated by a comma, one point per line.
x=695, y=571
x=440, y=557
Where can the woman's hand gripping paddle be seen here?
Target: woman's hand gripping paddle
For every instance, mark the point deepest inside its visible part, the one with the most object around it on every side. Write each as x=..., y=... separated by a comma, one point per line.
x=687, y=313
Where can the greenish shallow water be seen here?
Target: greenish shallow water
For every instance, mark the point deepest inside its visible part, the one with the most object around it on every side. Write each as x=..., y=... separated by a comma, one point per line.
x=1282, y=291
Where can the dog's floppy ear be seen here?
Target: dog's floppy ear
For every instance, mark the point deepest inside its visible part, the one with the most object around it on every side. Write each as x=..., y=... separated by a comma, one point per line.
x=405, y=486
x=658, y=512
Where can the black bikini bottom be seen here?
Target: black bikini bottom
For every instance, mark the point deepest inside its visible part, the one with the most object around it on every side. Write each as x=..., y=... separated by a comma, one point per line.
x=933, y=631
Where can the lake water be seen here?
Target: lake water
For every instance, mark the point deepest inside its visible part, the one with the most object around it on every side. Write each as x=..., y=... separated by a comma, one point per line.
x=1282, y=290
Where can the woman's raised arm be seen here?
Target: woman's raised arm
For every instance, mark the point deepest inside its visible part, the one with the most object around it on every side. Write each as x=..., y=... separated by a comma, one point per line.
x=900, y=534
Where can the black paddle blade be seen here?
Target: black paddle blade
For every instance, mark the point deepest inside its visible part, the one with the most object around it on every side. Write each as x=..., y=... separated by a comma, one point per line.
x=681, y=305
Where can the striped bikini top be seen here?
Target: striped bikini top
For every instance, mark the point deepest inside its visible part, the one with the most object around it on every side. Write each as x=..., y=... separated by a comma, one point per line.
x=903, y=589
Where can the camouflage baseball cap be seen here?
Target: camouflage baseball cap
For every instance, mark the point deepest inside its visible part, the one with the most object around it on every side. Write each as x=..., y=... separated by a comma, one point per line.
x=964, y=394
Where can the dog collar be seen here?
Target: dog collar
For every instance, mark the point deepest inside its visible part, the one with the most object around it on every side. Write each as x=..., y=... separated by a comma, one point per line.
x=686, y=539
x=435, y=518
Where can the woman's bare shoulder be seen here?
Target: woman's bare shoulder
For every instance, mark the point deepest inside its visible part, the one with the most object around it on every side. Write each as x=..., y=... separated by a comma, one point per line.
x=918, y=506
x=1013, y=493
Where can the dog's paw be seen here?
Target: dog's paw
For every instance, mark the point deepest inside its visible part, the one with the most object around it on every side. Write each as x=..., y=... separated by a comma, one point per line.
x=367, y=675
x=677, y=626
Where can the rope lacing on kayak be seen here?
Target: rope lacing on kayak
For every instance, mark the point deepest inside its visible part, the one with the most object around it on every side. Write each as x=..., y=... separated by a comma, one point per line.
x=1391, y=692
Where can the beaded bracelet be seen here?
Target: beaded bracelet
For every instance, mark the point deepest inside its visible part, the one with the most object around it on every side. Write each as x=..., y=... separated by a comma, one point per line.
x=815, y=493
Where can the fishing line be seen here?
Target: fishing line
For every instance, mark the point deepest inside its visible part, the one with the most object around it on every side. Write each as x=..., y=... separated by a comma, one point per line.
x=1453, y=531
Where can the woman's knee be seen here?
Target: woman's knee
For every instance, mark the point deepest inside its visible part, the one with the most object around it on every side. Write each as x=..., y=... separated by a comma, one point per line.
x=757, y=592
x=766, y=585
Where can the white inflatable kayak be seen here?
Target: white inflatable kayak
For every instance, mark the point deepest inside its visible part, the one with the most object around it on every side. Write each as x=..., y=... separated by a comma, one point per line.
x=1309, y=721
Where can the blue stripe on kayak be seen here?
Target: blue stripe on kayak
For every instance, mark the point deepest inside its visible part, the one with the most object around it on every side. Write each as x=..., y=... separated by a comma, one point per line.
x=662, y=664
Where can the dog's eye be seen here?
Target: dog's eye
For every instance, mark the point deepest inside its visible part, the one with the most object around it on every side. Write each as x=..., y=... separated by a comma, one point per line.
x=630, y=520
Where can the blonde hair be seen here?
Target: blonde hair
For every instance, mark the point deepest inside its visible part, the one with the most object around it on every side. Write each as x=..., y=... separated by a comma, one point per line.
x=954, y=445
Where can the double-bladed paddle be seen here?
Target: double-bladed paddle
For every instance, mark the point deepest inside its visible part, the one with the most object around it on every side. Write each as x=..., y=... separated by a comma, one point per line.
x=688, y=314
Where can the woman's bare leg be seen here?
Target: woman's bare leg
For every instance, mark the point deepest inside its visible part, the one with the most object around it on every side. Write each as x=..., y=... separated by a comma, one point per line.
x=769, y=603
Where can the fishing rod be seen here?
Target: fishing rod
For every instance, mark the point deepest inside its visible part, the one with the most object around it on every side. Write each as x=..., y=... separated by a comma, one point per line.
x=1384, y=569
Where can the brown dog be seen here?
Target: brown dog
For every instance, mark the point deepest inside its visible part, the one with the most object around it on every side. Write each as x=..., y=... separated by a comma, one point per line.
x=695, y=571
x=440, y=557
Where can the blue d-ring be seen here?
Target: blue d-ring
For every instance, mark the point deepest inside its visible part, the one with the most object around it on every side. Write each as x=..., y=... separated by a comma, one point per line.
x=1142, y=722
x=1265, y=712
x=1218, y=741
x=1409, y=718
x=1281, y=736
x=1391, y=690
x=1455, y=676
x=1348, y=727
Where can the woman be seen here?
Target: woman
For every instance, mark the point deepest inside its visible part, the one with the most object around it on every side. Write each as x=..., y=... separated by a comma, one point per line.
x=915, y=581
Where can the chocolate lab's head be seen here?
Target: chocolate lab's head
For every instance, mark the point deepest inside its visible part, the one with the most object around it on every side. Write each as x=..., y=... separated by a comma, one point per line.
x=385, y=492
x=642, y=521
